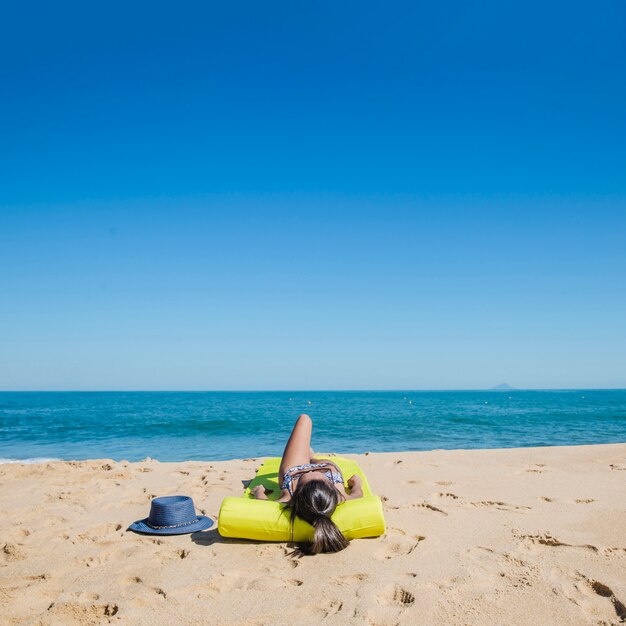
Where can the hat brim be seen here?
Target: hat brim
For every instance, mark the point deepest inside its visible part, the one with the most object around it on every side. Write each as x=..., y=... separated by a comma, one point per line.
x=141, y=526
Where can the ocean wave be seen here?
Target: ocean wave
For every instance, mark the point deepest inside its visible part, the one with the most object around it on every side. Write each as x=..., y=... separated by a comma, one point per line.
x=31, y=461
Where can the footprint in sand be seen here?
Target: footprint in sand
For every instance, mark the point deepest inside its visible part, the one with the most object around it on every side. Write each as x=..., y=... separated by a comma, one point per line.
x=208, y=479
x=222, y=583
x=35, y=578
x=85, y=596
x=271, y=549
x=396, y=596
x=394, y=549
x=16, y=534
x=502, y=506
x=548, y=540
x=131, y=580
x=61, y=495
x=327, y=609
x=273, y=583
x=93, y=561
x=503, y=567
x=72, y=612
x=350, y=580
x=605, y=592
x=595, y=599
x=97, y=534
x=20, y=583
x=442, y=495
x=430, y=507
x=418, y=505
x=13, y=552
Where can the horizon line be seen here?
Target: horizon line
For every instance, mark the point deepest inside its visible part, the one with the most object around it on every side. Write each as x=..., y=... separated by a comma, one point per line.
x=389, y=390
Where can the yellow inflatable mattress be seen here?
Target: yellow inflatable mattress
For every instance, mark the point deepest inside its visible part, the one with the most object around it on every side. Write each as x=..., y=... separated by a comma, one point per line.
x=266, y=520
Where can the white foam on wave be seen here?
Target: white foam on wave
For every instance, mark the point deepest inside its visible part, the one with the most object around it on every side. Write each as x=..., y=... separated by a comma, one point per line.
x=31, y=461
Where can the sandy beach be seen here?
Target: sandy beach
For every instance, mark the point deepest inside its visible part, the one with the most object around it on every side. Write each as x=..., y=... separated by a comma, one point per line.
x=517, y=536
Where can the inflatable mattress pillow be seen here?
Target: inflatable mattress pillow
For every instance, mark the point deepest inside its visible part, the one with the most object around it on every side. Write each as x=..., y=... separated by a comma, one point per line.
x=266, y=520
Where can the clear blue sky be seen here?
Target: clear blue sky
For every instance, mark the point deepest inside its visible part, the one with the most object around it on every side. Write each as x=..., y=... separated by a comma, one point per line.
x=313, y=195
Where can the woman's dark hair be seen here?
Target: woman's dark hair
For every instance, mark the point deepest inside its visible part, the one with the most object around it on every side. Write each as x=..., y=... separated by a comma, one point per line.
x=315, y=502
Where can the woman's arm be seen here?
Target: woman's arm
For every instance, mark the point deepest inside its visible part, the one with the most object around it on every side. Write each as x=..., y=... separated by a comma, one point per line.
x=298, y=448
x=356, y=489
x=258, y=492
x=285, y=497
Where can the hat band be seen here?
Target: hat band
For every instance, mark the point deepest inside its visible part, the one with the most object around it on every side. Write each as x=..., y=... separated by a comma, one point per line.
x=193, y=521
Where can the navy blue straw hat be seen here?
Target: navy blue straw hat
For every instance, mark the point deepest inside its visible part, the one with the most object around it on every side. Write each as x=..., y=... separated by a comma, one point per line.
x=172, y=515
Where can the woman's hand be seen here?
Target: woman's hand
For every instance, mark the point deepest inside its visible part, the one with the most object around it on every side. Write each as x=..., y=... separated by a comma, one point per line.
x=354, y=482
x=259, y=492
x=355, y=479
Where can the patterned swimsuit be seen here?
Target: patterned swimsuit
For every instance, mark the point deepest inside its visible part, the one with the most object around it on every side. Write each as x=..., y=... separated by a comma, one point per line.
x=293, y=472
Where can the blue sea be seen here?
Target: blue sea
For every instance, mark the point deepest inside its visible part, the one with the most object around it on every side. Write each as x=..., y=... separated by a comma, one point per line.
x=177, y=426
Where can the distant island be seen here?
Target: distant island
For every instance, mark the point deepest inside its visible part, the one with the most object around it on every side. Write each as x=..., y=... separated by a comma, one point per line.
x=503, y=387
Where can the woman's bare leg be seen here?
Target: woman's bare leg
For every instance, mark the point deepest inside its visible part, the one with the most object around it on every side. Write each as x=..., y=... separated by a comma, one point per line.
x=298, y=448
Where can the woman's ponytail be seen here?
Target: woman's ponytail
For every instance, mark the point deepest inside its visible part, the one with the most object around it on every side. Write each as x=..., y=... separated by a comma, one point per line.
x=326, y=536
x=315, y=502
